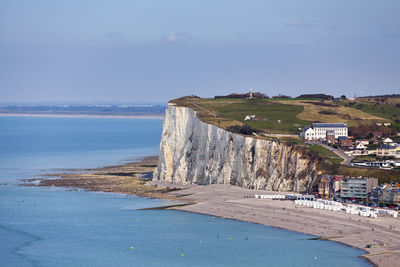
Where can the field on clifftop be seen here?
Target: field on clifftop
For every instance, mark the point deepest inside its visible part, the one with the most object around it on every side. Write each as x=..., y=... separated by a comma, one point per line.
x=289, y=116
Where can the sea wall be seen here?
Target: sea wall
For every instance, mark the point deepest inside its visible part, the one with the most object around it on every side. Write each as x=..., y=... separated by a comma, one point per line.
x=195, y=152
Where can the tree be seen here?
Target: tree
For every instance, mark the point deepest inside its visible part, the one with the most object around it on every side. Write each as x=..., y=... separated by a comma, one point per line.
x=343, y=97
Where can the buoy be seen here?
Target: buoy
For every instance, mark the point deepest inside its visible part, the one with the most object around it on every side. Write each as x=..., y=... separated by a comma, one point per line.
x=131, y=248
x=137, y=220
x=315, y=257
x=230, y=238
x=182, y=255
x=201, y=241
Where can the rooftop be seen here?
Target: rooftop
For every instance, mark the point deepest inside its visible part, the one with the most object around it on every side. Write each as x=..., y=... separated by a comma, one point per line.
x=329, y=125
x=386, y=147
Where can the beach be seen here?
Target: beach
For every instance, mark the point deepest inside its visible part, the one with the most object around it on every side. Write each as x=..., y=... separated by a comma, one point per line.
x=232, y=202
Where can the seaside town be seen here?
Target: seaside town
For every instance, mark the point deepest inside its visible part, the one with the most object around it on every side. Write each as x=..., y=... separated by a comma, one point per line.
x=365, y=196
x=362, y=196
x=382, y=151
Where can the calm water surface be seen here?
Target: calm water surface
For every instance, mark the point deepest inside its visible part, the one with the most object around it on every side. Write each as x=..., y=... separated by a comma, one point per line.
x=59, y=227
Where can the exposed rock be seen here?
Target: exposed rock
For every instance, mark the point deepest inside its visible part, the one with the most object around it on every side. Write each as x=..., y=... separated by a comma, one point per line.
x=192, y=151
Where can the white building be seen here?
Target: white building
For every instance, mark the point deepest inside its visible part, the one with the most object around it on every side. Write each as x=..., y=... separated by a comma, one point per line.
x=318, y=130
x=387, y=140
x=359, y=146
x=365, y=142
x=250, y=117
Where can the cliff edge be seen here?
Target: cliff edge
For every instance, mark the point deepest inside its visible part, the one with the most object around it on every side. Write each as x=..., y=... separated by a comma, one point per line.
x=195, y=152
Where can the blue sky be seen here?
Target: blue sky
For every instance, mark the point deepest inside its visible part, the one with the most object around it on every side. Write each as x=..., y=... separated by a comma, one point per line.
x=155, y=50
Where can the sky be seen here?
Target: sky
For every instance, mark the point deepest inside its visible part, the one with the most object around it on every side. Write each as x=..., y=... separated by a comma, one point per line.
x=157, y=50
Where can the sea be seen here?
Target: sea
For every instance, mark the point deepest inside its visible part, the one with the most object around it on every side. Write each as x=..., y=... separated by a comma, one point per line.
x=71, y=227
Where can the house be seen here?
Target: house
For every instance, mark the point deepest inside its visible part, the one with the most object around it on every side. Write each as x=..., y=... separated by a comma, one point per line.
x=388, y=151
x=323, y=187
x=329, y=186
x=359, y=146
x=319, y=130
x=363, y=141
x=387, y=140
x=308, y=133
x=346, y=143
x=386, y=193
x=336, y=185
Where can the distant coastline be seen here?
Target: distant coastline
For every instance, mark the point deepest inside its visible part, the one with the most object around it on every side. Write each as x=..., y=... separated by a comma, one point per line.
x=48, y=115
x=121, y=111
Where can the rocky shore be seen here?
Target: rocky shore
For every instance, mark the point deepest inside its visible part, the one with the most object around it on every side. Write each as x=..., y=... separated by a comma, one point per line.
x=130, y=178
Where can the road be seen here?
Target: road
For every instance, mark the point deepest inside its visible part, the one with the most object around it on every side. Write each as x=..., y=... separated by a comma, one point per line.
x=346, y=159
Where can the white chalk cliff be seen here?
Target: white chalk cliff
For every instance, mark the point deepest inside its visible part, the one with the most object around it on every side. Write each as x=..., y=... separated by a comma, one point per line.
x=192, y=151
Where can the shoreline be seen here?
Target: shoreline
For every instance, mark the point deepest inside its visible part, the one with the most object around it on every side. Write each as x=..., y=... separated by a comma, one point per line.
x=364, y=256
x=46, y=115
x=231, y=202
x=129, y=178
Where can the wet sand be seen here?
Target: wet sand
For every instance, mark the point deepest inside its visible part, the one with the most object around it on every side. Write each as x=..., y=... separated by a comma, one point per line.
x=130, y=178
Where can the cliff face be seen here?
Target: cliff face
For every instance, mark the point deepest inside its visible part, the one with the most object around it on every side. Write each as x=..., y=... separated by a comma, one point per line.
x=192, y=151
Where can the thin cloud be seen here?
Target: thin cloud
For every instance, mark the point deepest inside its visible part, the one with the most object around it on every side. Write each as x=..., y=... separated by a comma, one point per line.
x=177, y=37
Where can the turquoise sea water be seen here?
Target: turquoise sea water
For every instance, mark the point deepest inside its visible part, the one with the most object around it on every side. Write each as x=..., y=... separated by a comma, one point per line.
x=60, y=227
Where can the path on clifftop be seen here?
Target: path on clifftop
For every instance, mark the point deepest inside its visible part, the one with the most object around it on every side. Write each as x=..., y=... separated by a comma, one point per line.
x=346, y=159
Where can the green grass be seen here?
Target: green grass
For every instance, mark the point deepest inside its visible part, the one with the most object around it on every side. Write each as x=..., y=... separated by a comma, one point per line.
x=387, y=111
x=364, y=158
x=225, y=112
x=327, y=154
x=384, y=176
x=284, y=99
x=292, y=141
x=267, y=114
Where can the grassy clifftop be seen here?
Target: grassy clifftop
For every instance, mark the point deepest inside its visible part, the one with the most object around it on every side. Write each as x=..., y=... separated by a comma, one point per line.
x=286, y=116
